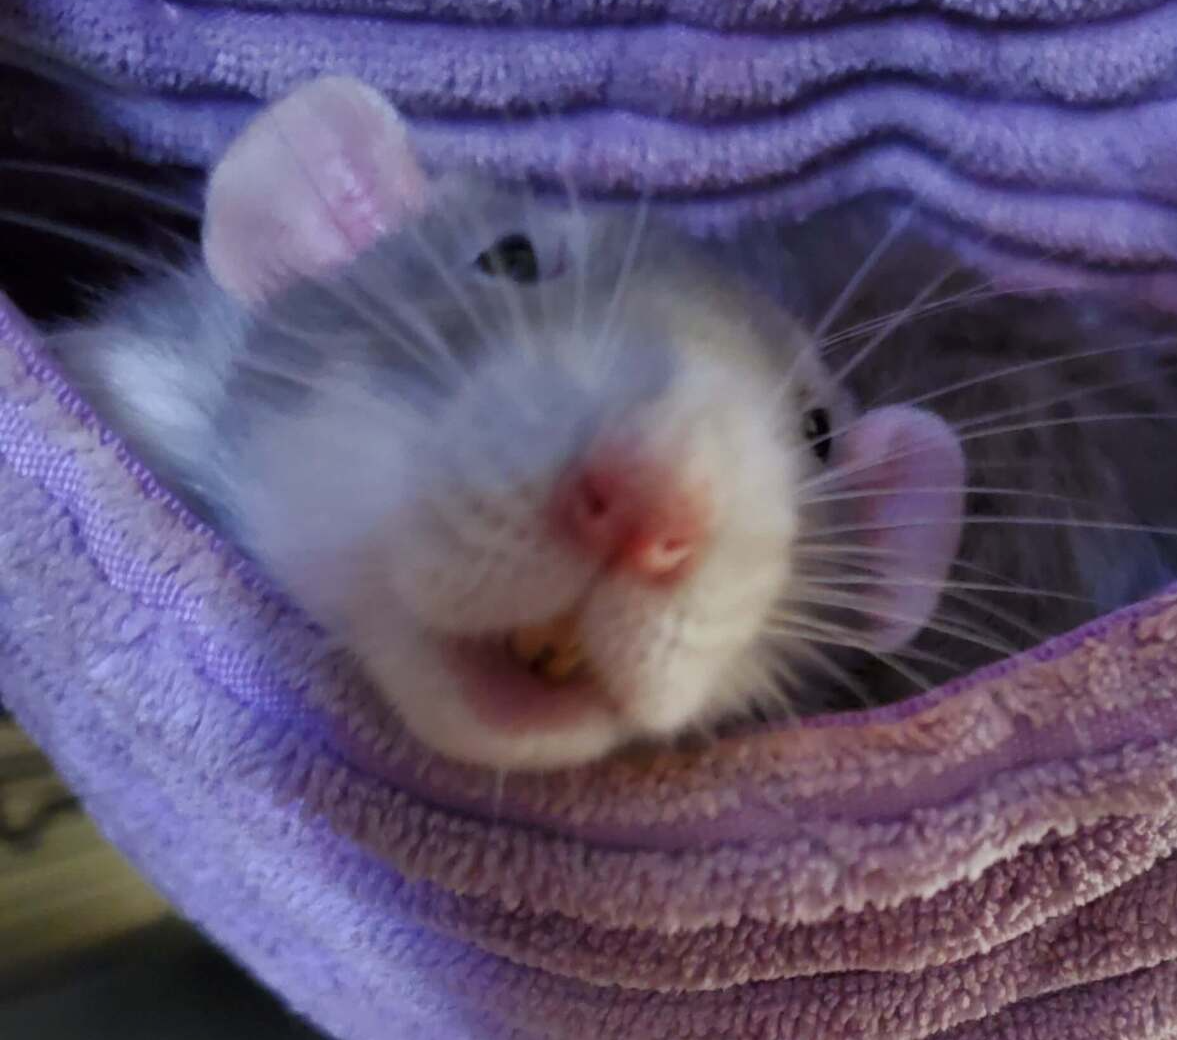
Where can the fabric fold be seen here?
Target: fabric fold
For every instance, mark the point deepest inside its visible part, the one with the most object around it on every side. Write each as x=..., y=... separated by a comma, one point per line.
x=992, y=859
x=814, y=881
x=1038, y=129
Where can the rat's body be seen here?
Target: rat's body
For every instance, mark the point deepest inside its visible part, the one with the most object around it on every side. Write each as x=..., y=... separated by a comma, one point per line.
x=474, y=420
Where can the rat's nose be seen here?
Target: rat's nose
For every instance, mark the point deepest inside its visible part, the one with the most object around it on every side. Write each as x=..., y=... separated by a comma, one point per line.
x=632, y=512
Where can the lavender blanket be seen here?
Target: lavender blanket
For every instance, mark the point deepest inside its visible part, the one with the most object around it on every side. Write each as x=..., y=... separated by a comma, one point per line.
x=992, y=860
x=1043, y=126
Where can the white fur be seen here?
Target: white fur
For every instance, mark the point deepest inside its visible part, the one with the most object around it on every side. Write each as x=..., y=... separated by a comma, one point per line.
x=438, y=539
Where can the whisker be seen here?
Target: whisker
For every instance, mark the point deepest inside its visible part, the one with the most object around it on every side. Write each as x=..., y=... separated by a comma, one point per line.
x=1002, y=373
x=898, y=226
x=996, y=492
x=125, y=185
x=840, y=376
x=1030, y=366
x=531, y=218
x=136, y=258
x=948, y=584
x=833, y=636
x=780, y=678
x=579, y=254
x=840, y=473
x=509, y=293
x=624, y=272
x=953, y=591
x=942, y=626
x=894, y=662
x=1027, y=521
x=821, y=630
x=1064, y=398
x=768, y=688
x=813, y=653
x=982, y=292
x=347, y=390
x=358, y=299
x=853, y=549
x=1073, y=420
x=428, y=352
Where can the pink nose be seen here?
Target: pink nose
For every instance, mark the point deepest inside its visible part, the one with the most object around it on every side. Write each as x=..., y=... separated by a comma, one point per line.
x=632, y=514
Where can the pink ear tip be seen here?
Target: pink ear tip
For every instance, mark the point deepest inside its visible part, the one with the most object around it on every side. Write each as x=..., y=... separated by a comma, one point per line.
x=314, y=180
x=913, y=437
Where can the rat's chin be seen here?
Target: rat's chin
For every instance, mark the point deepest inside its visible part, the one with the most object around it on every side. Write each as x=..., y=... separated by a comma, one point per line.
x=473, y=701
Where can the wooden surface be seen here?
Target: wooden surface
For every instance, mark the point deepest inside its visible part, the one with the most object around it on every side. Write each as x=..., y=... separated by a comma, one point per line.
x=63, y=890
x=88, y=950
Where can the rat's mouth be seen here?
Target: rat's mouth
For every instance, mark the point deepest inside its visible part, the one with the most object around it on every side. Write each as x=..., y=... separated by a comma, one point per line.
x=551, y=651
x=534, y=677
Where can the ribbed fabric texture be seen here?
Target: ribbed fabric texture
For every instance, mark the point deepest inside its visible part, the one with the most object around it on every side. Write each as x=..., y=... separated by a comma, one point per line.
x=993, y=860
x=1037, y=127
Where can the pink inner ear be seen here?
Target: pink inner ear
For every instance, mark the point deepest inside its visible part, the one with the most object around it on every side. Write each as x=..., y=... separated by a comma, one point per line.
x=310, y=183
x=916, y=463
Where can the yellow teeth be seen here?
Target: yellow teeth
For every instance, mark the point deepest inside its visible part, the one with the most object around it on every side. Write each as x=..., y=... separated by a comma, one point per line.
x=550, y=650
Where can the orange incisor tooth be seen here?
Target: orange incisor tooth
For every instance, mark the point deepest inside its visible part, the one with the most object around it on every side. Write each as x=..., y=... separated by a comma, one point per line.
x=550, y=650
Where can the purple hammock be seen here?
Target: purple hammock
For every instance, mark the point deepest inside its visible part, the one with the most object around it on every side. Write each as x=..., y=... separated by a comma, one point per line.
x=992, y=860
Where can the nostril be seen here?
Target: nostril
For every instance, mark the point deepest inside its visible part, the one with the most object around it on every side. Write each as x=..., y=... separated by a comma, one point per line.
x=592, y=507
x=661, y=557
x=633, y=514
x=595, y=501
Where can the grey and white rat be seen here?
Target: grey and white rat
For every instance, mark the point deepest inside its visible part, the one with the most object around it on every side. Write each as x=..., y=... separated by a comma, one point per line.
x=564, y=477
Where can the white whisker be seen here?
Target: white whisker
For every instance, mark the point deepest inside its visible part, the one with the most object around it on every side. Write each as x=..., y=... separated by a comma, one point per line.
x=136, y=258
x=898, y=226
x=841, y=375
x=948, y=584
x=124, y=185
x=828, y=598
x=1027, y=521
x=623, y=276
x=840, y=473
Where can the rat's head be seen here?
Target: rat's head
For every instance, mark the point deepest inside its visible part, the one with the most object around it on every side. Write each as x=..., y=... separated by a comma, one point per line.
x=555, y=478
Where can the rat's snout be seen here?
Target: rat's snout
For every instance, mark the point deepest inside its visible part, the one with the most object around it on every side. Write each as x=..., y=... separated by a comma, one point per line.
x=633, y=509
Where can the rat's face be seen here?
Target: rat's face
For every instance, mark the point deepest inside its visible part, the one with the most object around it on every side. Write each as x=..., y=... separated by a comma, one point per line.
x=552, y=480
x=596, y=509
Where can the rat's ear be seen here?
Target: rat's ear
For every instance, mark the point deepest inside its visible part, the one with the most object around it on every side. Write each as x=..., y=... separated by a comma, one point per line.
x=314, y=179
x=915, y=462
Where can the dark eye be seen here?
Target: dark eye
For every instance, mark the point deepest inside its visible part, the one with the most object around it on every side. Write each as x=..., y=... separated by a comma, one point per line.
x=512, y=256
x=817, y=431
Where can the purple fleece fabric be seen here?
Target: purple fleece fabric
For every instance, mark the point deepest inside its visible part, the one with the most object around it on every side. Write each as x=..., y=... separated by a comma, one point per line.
x=1039, y=126
x=993, y=860
x=996, y=859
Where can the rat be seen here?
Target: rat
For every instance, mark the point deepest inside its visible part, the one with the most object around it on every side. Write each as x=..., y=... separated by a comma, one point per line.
x=566, y=478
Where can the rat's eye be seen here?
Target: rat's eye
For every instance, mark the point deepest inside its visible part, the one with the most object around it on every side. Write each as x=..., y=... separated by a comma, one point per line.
x=817, y=431
x=512, y=256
